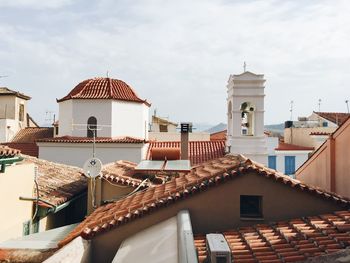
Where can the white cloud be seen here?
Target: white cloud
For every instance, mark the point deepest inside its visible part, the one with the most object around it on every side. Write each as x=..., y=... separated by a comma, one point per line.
x=35, y=4
x=183, y=51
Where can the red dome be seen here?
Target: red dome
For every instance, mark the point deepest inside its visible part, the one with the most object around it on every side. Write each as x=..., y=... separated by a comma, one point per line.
x=103, y=88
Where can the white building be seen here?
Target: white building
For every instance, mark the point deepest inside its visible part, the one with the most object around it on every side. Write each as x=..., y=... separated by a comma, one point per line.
x=245, y=116
x=13, y=114
x=107, y=108
x=285, y=157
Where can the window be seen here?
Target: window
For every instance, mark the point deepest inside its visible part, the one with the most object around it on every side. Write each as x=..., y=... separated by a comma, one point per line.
x=289, y=165
x=21, y=112
x=272, y=162
x=56, y=130
x=247, y=119
x=91, y=127
x=163, y=128
x=251, y=206
x=325, y=124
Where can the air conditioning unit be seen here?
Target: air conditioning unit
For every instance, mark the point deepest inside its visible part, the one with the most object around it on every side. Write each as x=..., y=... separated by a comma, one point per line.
x=218, y=249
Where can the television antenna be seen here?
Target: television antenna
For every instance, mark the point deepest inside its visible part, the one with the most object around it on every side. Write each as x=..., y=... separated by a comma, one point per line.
x=319, y=105
x=291, y=110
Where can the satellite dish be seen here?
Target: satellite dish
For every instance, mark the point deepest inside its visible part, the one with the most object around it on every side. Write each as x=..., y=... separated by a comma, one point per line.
x=92, y=167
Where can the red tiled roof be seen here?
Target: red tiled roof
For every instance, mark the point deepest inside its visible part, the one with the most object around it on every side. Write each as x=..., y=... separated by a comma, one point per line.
x=282, y=146
x=199, y=151
x=58, y=183
x=285, y=241
x=71, y=139
x=336, y=117
x=31, y=134
x=7, y=152
x=202, y=177
x=320, y=133
x=123, y=173
x=103, y=88
x=26, y=148
x=221, y=136
x=25, y=139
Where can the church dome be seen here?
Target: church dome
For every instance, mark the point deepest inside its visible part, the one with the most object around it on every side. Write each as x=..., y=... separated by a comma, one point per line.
x=103, y=88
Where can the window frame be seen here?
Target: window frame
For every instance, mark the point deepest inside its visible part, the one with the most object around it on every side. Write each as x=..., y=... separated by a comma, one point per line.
x=251, y=215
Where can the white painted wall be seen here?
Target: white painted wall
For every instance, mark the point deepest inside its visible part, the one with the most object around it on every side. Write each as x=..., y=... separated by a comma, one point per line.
x=176, y=136
x=65, y=118
x=8, y=129
x=130, y=119
x=77, y=153
x=300, y=158
x=114, y=118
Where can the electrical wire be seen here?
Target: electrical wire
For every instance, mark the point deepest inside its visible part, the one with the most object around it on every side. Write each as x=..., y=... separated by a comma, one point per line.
x=131, y=193
x=37, y=192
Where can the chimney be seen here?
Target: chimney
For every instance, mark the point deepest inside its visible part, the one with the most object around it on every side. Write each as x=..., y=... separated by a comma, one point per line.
x=186, y=128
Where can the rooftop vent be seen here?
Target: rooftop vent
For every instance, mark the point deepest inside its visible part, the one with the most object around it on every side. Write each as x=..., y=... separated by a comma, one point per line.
x=218, y=249
x=186, y=127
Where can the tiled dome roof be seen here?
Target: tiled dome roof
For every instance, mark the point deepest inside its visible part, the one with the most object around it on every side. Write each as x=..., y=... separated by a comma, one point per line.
x=103, y=88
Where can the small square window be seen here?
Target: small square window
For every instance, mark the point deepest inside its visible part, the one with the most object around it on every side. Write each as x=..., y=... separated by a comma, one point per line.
x=251, y=206
x=163, y=128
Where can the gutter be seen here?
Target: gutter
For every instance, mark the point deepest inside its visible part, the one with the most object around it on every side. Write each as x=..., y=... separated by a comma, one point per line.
x=8, y=161
x=54, y=208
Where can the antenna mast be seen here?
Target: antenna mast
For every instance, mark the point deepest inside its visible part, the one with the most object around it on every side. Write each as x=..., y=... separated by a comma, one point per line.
x=347, y=105
x=319, y=105
x=291, y=110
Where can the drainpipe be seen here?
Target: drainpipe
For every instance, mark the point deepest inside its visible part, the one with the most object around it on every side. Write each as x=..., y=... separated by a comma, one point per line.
x=332, y=163
x=186, y=128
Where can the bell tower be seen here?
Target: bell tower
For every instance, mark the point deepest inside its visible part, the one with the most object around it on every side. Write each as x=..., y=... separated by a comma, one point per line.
x=245, y=116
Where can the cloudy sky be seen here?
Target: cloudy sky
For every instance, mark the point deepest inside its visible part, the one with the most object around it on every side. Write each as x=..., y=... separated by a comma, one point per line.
x=179, y=54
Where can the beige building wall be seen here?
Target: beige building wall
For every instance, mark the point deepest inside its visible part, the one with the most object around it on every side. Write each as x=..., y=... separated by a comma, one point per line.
x=329, y=167
x=7, y=107
x=18, y=180
x=301, y=136
x=221, y=210
x=316, y=171
x=105, y=191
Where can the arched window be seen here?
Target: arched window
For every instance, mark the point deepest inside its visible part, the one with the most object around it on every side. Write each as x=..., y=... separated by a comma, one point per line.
x=247, y=119
x=91, y=127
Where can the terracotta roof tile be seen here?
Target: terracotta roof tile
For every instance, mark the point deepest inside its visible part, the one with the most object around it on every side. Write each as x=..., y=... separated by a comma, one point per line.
x=257, y=243
x=103, y=88
x=282, y=146
x=7, y=152
x=26, y=148
x=336, y=117
x=320, y=133
x=199, y=151
x=201, y=177
x=71, y=139
x=58, y=183
x=31, y=134
x=221, y=136
x=123, y=173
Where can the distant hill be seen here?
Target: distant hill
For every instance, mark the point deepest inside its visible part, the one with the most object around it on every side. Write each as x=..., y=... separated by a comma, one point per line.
x=278, y=128
x=200, y=127
x=219, y=127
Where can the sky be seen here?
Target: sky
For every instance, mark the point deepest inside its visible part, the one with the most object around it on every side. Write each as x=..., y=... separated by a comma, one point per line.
x=179, y=54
